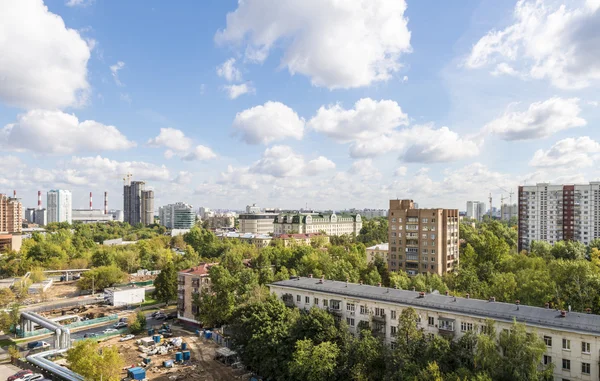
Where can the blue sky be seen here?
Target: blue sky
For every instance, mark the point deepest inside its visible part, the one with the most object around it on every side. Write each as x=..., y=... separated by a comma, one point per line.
x=298, y=103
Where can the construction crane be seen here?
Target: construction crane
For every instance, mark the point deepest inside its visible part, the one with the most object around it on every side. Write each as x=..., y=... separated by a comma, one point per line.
x=510, y=194
x=127, y=179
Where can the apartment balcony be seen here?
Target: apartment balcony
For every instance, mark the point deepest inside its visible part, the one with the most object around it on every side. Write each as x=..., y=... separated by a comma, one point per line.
x=378, y=333
x=379, y=318
x=288, y=300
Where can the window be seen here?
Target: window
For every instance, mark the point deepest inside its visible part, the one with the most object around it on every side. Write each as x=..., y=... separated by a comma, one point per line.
x=585, y=367
x=424, y=220
x=363, y=310
x=394, y=329
x=547, y=360
x=585, y=347
x=566, y=364
x=316, y=301
x=350, y=307
x=379, y=312
x=307, y=299
x=433, y=236
x=393, y=315
x=566, y=345
x=298, y=298
x=465, y=327
x=446, y=325
x=430, y=320
x=325, y=303
x=335, y=304
x=548, y=341
x=350, y=322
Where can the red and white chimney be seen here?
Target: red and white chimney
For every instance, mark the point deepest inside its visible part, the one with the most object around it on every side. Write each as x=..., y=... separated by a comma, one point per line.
x=90, y=200
x=39, y=200
x=105, y=202
x=15, y=193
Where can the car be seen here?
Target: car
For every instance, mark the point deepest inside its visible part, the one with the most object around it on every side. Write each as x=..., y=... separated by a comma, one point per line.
x=120, y=324
x=109, y=331
x=172, y=315
x=155, y=313
x=124, y=319
x=128, y=337
x=90, y=335
x=19, y=374
x=37, y=345
x=31, y=377
x=160, y=316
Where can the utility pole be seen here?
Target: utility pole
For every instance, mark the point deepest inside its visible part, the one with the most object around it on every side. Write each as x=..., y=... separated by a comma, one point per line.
x=92, y=285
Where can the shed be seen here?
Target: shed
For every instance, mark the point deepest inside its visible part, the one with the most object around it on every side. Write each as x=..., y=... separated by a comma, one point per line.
x=136, y=373
x=147, y=341
x=226, y=355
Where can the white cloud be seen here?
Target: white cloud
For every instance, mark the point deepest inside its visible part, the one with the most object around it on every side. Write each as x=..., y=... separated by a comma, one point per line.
x=125, y=97
x=400, y=171
x=228, y=71
x=337, y=44
x=234, y=91
x=114, y=69
x=43, y=63
x=183, y=178
x=200, y=153
x=55, y=132
x=425, y=144
x=171, y=138
x=78, y=3
x=405, y=78
x=282, y=161
x=365, y=169
x=270, y=122
x=540, y=120
x=547, y=40
x=98, y=168
x=568, y=153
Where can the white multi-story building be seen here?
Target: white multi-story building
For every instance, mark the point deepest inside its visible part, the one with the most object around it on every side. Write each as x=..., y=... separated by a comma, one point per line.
x=252, y=208
x=330, y=224
x=117, y=215
x=572, y=339
x=475, y=210
x=205, y=213
x=508, y=211
x=59, y=206
x=555, y=213
x=90, y=216
x=177, y=216
x=257, y=223
x=367, y=214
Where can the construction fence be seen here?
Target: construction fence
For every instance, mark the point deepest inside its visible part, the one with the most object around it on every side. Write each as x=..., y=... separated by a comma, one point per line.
x=76, y=324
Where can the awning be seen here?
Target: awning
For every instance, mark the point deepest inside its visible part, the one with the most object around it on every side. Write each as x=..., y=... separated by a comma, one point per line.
x=226, y=352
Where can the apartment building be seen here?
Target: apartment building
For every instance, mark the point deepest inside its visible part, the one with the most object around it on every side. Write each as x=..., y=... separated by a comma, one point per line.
x=59, y=206
x=302, y=239
x=422, y=241
x=190, y=282
x=555, y=213
x=258, y=240
x=328, y=223
x=147, y=207
x=177, y=216
x=381, y=250
x=11, y=214
x=508, y=211
x=257, y=223
x=572, y=339
x=475, y=210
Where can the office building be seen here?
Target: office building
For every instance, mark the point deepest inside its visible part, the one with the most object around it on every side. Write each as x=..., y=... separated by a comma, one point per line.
x=328, y=223
x=257, y=223
x=191, y=282
x=422, y=241
x=132, y=201
x=508, y=211
x=59, y=206
x=381, y=250
x=11, y=214
x=572, y=339
x=555, y=213
x=475, y=210
x=205, y=213
x=177, y=216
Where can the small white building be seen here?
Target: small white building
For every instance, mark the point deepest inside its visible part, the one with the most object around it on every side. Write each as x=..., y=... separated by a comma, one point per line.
x=123, y=296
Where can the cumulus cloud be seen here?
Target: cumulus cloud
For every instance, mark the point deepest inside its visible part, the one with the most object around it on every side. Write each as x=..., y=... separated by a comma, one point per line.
x=282, y=161
x=568, y=153
x=200, y=153
x=55, y=132
x=547, y=40
x=540, y=120
x=101, y=168
x=44, y=63
x=425, y=144
x=78, y=3
x=228, y=71
x=267, y=123
x=171, y=138
x=400, y=171
x=234, y=91
x=364, y=168
x=114, y=69
x=364, y=39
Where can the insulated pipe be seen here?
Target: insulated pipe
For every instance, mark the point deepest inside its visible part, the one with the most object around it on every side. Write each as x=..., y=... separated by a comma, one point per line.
x=40, y=360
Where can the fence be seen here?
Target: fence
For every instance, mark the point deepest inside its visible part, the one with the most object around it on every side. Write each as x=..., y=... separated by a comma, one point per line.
x=76, y=324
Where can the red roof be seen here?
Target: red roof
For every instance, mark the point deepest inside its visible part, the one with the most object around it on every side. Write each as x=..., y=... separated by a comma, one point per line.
x=201, y=269
x=300, y=236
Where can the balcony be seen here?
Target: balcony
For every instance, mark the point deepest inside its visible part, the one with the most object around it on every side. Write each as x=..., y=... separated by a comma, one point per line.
x=288, y=300
x=379, y=318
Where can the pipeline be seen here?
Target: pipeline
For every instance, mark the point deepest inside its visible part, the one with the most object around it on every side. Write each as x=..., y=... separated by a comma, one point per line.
x=40, y=360
x=63, y=335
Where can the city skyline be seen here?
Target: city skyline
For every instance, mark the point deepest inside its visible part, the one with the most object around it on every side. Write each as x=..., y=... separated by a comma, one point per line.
x=200, y=101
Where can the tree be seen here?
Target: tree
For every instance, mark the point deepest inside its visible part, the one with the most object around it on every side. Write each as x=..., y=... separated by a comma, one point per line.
x=522, y=353
x=165, y=284
x=101, y=278
x=313, y=362
x=431, y=373
x=86, y=358
x=138, y=324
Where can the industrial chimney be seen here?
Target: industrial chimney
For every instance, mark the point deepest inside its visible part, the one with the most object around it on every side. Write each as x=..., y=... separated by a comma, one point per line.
x=105, y=202
x=39, y=200
x=15, y=193
x=90, y=200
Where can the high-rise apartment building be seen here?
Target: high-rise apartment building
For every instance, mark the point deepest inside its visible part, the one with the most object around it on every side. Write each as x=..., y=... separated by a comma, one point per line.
x=422, y=241
x=475, y=210
x=177, y=216
x=30, y=215
x=11, y=214
x=147, y=207
x=59, y=206
x=508, y=211
x=132, y=201
x=555, y=213
x=41, y=217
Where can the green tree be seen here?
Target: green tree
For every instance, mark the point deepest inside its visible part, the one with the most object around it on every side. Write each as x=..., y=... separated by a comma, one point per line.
x=313, y=362
x=138, y=324
x=522, y=355
x=101, y=277
x=431, y=373
x=86, y=358
x=165, y=284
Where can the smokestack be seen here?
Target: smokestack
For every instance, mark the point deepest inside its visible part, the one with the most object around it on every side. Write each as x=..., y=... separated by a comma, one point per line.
x=39, y=200
x=90, y=200
x=105, y=202
x=15, y=193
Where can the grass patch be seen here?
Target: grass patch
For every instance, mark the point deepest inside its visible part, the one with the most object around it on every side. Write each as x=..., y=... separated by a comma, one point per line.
x=6, y=342
x=149, y=302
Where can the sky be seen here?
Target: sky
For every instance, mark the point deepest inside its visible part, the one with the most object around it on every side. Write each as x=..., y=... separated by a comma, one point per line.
x=323, y=104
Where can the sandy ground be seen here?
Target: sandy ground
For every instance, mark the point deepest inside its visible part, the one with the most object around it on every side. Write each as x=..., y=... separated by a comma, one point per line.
x=7, y=370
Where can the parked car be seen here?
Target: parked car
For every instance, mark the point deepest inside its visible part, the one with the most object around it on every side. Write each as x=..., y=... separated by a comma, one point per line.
x=160, y=316
x=37, y=345
x=124, y=319
x=31, y=377
x=19, y=374
x=120, y=324
x=109, y=330
x=90, y=335
x=172, y=315
x=128, y=337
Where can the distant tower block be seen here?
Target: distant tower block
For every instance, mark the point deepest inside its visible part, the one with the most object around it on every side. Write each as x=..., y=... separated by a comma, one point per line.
x=105, y=202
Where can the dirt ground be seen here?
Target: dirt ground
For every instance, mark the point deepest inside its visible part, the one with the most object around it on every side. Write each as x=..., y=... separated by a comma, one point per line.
x=201, y=367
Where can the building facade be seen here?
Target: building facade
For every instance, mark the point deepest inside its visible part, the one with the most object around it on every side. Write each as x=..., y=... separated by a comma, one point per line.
x=124, y=296
x=11, y=214
x=572, y=339
x=553, y=213
x=257, y=223
x=508, y=211
x=147, y=207
x=381, y=250
x=191, y=282
x=177, y=216
x=220, y=221
x=132, y=201
x=422, y=241
x=90, y=216
x=252, y=208
x=367, y=214
x=41, y=217
x=330, y=224
x=30, y=215
x=475, y=210
x=258, y=240
x=303, y=239
x=59, y=206
x=117, y=215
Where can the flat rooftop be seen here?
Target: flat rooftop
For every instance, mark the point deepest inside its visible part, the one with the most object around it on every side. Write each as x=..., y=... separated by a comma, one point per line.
x=536, y=316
